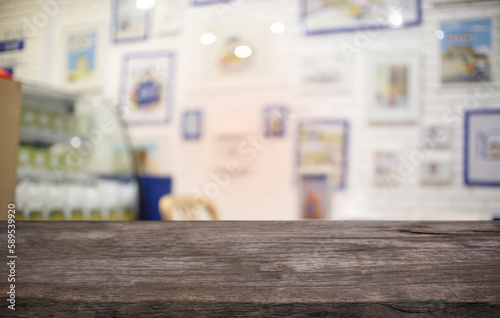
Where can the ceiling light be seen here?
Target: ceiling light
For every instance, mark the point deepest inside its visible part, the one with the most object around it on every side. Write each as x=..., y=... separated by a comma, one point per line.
x=145, y=4
x=208, y=38
x=243, y=51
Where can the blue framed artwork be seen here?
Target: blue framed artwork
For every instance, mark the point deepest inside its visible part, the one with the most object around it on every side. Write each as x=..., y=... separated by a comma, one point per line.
x=147, y=87
x=205, y=2
x=323, y=147
x=466, y=51
x=275, y=121
x=482, y=147
x=327, y=16
x=129, y=22
x=192, y=124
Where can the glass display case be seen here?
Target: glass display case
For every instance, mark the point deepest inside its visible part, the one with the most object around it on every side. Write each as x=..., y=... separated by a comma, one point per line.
x=75, y=161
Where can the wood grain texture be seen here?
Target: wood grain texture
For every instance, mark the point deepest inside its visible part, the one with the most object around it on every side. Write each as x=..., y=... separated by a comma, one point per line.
x=257, y=269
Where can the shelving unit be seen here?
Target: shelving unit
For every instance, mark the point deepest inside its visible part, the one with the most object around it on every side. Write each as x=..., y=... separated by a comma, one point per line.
x=62, y=175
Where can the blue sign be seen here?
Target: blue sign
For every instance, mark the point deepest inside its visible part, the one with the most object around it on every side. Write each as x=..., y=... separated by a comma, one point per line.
x=11, y=45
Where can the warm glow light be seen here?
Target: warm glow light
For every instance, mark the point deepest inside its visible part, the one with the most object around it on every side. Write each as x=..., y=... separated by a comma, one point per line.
x=277, y=27
x=243, y=51
x=440, y=34
x=208, y=38
x=396, y=18
x=145, y=4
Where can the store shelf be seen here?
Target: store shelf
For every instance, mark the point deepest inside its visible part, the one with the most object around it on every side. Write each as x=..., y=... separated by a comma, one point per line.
x=48, y=99
x=53, y=176
x=43, y=139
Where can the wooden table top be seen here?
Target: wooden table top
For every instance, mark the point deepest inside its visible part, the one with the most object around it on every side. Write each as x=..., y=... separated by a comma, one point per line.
x=256, y=269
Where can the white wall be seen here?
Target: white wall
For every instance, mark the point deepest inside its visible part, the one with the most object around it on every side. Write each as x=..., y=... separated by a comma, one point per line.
x=269, y=189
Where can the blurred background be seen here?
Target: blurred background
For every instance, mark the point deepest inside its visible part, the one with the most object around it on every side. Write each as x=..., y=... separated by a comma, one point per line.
x=265, y=109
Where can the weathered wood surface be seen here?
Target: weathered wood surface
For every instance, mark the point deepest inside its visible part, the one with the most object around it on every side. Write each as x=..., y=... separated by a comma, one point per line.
x=257, y=269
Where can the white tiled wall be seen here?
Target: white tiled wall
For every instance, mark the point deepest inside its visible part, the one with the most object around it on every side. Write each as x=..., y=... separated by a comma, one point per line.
x=268, y=190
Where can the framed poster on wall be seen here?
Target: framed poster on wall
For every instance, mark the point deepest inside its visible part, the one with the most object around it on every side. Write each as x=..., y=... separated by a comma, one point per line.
x=325, y=73
x=129, y=22
x=147, y=87
x=466, y=51
x=322, y=146
x=393, y=87
x=436, y=133
x=435, y=172
x=385, y=168
x=275, y=121
x=82, y=47
x=191, y=124
x=233, y=56
x=169, y=16
x=327, y=16
x=482, y=147
x=315, y=196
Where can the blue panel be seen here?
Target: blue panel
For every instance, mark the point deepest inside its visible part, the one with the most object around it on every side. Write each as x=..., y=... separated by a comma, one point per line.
x=11, y=45
x=152, y=189
x=9, y=70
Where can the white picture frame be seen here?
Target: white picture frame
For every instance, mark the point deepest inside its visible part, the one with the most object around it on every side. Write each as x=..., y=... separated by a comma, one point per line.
x=168, y=17
x=435, y=171
x=129, y=23
x=325, y=73
x=147, y=88
x=393, y=87
x=436, y=134
x=83, y=59
x=385, y=168
x=216, y=65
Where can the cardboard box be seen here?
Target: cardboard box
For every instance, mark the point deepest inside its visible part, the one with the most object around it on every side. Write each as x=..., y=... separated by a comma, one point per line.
x=10, y=113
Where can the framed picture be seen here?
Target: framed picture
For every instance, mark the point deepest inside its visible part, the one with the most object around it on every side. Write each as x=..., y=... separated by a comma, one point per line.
x=315, y=196
x=327, y=16
x=324, y=73
x=192, y=123
x=82, y=47
x=322, y=146
x=147, y=87
x=436, y=133
x=482, y=147
x=466, y=51
x=129, y=22
x=394, y=89
x=275, y=121
x=435, y=171
x=233, y=55
x=385, y=168
x=205, y=2
x=168, y=16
